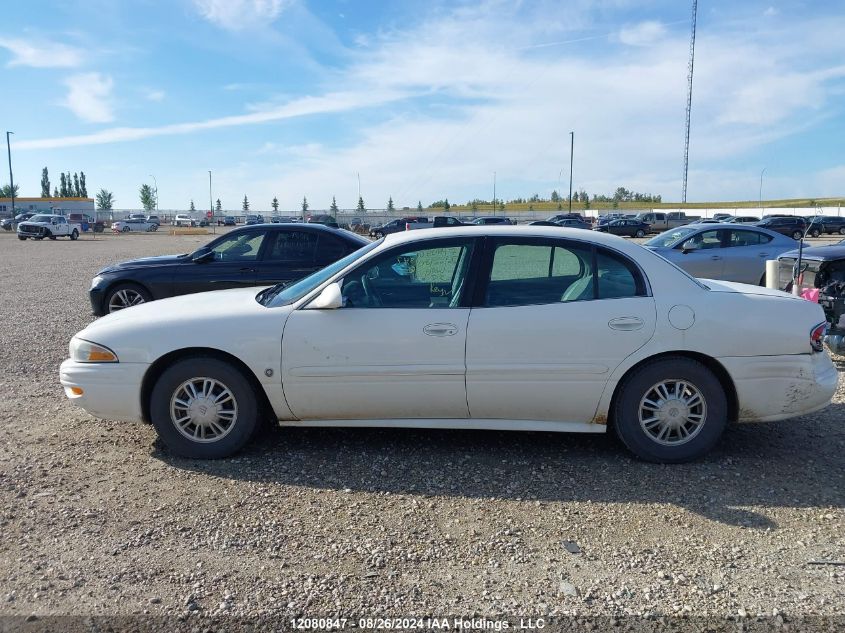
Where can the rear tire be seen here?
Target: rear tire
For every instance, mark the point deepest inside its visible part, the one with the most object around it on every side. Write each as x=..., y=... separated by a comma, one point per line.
x=75, y=235
x=671, y=410
x=640, y=233
x=21, y=238
x=125, y=229
x=216, y=421
x=797, y=235
x=815, y=233
x=842, y=230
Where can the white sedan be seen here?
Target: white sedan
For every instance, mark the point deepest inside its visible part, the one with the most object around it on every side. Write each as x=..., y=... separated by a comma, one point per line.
x=520, y=328
x=133, y=224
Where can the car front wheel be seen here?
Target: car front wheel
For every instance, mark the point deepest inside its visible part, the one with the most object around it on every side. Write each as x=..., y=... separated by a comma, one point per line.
x=125, y=296
x=797, y=235
x=671, y=410
x=204, y=408
x=842, y=231
x=74, y=235
x=815, y=233
x=640, y=233
x=22, y=238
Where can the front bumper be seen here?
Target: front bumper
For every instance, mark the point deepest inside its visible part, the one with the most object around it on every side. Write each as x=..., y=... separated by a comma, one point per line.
x=774, y=388
x=109, y=390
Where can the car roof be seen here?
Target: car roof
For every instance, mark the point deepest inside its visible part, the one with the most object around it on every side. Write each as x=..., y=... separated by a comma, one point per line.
x=314, y=227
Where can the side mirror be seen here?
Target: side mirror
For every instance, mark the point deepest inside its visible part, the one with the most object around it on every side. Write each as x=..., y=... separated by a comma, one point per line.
x=688, y=246
x=202, y=256
x=330, y=299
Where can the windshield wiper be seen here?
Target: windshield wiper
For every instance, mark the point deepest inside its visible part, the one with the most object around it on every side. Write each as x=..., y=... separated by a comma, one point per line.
x=268, y=294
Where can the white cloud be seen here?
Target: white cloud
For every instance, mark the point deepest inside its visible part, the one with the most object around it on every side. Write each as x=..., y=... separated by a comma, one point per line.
x=90, y=97
x=41, y=54
x=642, y=34
x=770, y=12
x=240, y=14
x=154, y=95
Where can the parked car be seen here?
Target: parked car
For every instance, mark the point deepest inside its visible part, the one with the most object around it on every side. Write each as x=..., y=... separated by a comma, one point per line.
x=659, y=221
x=721, y=251
x=542, y=223
x=743, y=219
x=247, y=256
x=153, y=219
x=631, y=228
x=661, y=359
x=489, y=220
x=136, y=216
x=574, y=224
x=183, y=219
x=829, y=224
x=794, y=226
x=48, y=225
x=565, y=216
x=395, y=226
x=229, y=221
x=8, y=223
x=439, y=222
x=254, y=219
x=722, y=217
x=822, y=268
x=134, y=224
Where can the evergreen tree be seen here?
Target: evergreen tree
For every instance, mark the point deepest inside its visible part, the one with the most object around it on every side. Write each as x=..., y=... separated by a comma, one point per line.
x=218, y=206
x=361, y=207
x=304, y=205
x=555, y=196
x=45, y=183
x=275, y=205
x=6, y=191
x=193, y=207
x=55, y=192
x=76, y=190
x=446, y=205
x=83, y=190
x=245, y=203
x=105, y=200
x=63, y=186
x=419, y=206
x=390, y=207
x=333, y=208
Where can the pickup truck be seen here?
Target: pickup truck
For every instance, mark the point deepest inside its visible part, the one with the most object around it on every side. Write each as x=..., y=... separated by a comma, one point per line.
x=183, y=219
x=660, y=222
x=47, y=225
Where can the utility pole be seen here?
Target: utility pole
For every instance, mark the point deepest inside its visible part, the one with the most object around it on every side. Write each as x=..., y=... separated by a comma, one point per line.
x=211, y=205
x=689, y=99
x=11, y=177
x=571, y=156
x=156, y=184
x=494, y=193
x=761, y=190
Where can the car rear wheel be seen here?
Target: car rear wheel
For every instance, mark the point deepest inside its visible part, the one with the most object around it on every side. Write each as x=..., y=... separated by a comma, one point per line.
x=74, y=235
x=204, y=408
x=671, y=410
x=125, y=296
x=842, y=230
x=815, y=233
x=797, y=235
x=640, y=233
x=125, y=229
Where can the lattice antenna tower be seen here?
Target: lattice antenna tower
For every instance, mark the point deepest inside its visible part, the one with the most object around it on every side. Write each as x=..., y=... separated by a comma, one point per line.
x=689, y=98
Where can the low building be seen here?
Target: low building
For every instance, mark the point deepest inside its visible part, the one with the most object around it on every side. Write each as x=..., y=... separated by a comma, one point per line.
x=61, y=206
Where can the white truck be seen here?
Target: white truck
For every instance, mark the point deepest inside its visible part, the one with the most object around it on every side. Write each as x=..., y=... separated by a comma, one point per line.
x=659, y=221
x=47, y=225
x=182, y=219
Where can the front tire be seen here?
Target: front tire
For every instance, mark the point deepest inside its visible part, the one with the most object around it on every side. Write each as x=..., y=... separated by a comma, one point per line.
x=671, y=410
x=75, y=235
x=842, y=230
x=125, y=229
x=204, y=408
x=124, y=296
x=21, y=238
x=640, y=233
x=815, y=233
x=797, y=235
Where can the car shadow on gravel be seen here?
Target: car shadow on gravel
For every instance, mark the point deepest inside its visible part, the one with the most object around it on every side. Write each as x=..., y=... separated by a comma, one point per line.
x=795, y=463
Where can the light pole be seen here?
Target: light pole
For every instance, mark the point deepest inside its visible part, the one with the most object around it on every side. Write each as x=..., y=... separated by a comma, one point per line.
x=156, y=184
x=571, y=155
x=211, y=206
x=494, y=193
x=761, y=190
x=11, y=177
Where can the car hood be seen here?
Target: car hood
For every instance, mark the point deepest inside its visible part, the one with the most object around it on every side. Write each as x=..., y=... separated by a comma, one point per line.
x=819, y=253
x=147, y=262
x=28, y=223
x=746, y=289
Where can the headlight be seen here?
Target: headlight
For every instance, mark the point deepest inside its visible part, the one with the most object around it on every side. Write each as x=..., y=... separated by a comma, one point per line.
x=96, y=281
x=83, y=351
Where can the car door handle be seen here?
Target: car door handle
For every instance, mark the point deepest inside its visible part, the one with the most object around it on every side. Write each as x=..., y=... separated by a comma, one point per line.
x=247, y=270
x=440, y=329
x=626, y=324
x=763, y=254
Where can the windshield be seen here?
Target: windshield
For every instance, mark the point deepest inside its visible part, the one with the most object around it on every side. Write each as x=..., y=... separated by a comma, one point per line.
x=41, y=218
x=282, y=295
x=669, y=238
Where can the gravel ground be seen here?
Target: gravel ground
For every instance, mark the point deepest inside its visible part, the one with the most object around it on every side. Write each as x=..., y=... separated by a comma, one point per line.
x=97, y=518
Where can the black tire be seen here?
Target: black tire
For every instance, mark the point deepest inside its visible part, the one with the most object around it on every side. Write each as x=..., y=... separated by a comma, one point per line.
x=815, y=233
x=640, y=233
x=143, y=292
x=243, y=426
x=21, y=238
x=797, y=235
x=125, y=229
x=637, y=386
x=842, y=230
x=74, y=235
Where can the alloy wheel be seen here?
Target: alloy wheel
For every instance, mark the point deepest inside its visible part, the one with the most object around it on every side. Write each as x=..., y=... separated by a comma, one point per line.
x=672, y=412
x=125, y=298
x=203, y=409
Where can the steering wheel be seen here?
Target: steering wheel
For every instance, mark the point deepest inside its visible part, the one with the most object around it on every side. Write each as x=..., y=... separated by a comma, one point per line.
x=372, y=298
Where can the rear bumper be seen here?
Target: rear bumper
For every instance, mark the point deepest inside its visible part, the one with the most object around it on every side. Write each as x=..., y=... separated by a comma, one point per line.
x=779, y=387
x=109, y=390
